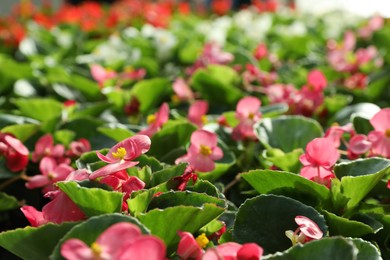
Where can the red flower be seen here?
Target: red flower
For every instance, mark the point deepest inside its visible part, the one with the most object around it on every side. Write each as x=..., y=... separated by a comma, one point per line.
x=120, y=241
x=14, y=152
x=120, y=156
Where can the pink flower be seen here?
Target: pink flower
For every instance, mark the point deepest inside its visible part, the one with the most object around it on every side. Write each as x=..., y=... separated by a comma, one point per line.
x=45, y=147
x=247, y=111
x=156, y=121
x=120, y=241
x=307, y=231
x=182, y=91
x=358, y=145
x=77, y=148
x=188, y=247
x=197, y=112
x=51, y=172
x=133, y=74
x=318, y=160
x=203, y=151
x=234, y=251
x=374, y=24
x=335, y=133
x=356, y=81
x=182, y=180
x=120, y=156
x=261, y=51
x=380, y=137
x=60, y=209
x=14, y=151
x=101, y=74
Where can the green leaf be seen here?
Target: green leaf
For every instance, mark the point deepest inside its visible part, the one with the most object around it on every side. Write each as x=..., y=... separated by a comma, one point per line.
x=167, y=173
x=362, y=125
x=6, y=120
x=278, y=182
x=285, y=161
x=367, y=251
x=118, y=134
x=273, y=110
x=184, y=198
x=171, y=137
x=166, y=222
x=22, y=131
x=35, y=243
x=365, y=110
x=42, y=109
x=64, y=137
x=8, y=202
x=151, y=92
x=217, y=84
x=89, y=230
x=92, y=201
x=287, y=132
x=334, y=248
x=359, y=177
x=346, y=227
x=265, y=219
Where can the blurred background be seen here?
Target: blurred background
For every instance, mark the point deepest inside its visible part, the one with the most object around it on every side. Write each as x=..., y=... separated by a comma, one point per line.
x=360, y=7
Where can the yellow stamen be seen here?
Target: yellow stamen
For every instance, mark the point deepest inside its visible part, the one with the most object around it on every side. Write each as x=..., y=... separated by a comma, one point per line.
x=204, y=119
x=175, y=99
x=202, y=240
x=205, y=150
x=96, y=249
x=120, y=153
x=251, y=115
x=151, y=119
x=387, y=132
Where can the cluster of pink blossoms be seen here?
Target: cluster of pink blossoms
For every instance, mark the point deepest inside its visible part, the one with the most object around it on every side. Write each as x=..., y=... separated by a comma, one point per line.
x=101, y=75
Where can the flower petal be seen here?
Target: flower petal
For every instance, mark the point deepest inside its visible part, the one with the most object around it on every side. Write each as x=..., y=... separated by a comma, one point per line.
x=112, y=168
x=75, y=249
x=146, y=247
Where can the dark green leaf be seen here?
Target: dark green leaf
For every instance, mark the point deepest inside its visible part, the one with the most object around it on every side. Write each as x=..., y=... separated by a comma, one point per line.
x=8, y=202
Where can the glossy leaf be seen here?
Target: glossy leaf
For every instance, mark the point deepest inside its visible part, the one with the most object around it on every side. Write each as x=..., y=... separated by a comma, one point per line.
x=287, y=132
x=365, y=110
x=166, y=222
x=92, y=201
x=23, y=131
x=8, y=202
x=34, y=243
x=42, y=109
x=265, y=218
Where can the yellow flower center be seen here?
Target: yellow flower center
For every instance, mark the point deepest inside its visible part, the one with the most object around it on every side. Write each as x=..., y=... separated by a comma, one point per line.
x=387, y=132
x=96, y=249
x=151, y=119
x=251, y=115
x=175, y=99
x=205, y=150
x=202, y=240
x=120, y=153
x=204, y=119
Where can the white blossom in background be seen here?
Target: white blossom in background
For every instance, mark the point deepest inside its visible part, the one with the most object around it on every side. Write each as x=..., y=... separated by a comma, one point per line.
x=297, y=28
x=255, y=26
x=27, y=47
x=164, y=41
x=336, y=22
x=130, y=32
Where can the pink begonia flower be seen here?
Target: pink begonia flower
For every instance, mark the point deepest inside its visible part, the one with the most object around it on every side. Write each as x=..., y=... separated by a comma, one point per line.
x=14, y=151
x=212, y=54
x=45, y=147
x=182, y=91
x=197, y=112
x=203, y=151
x=247, y=111
x=318, y=160
x=51, y=172
x=335, y=133
x=188, y=247
x=380, y=137
x=307, y=231
x=120, y=156
x=357, y=80
x=60, y=209
x=234, y=251
x=375, y=23
x=156, y=121
x=121, y=241
x=133, y=74
x=101, y=74
x=358, y=145
x=281, y=93
x=253, y=74
x=261, y=51
x=77, y=148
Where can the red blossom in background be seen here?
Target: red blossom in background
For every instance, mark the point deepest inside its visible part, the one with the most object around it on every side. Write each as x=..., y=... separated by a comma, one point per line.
x=45, y=147
x=101, y=75
x=248, y=113
x=120, y=156
x=14, y=152
x=182, y=91
x=156, y=121
x=120, y=241
x=197, y=112
x=77, y=148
